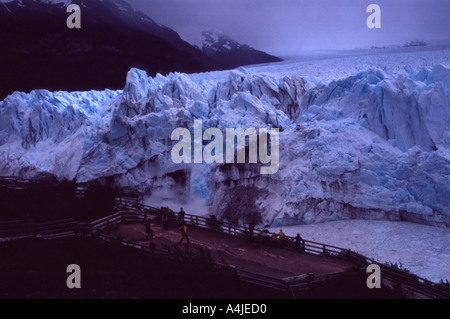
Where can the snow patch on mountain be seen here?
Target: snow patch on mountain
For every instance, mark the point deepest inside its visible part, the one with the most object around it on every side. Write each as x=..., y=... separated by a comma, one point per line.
x=211, y=39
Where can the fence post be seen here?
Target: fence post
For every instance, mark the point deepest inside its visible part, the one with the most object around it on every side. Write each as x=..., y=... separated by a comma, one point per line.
x=324, y=249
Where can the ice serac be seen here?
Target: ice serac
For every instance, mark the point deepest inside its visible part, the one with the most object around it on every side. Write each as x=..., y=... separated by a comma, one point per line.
x=372, y=145
x=410, y=112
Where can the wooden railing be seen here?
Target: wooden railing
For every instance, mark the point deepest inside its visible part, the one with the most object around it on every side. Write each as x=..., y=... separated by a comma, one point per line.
x=398, y=277
x=130, y=214
x=6, y=180
x=133, y=210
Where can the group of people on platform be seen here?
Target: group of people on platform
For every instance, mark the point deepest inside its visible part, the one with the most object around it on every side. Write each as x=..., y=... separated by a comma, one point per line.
x=165, y=224
x=279, y=237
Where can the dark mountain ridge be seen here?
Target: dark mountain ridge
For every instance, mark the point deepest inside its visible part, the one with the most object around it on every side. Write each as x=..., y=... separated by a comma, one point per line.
x=39, y=51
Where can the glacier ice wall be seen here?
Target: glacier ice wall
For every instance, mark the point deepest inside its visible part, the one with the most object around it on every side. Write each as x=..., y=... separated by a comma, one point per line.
x=372, y=145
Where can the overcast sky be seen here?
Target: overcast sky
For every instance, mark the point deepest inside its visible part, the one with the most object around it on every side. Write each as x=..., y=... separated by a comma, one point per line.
x=280, y=26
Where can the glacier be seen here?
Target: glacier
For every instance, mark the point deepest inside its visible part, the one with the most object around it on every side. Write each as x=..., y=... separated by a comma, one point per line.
x=360, y=137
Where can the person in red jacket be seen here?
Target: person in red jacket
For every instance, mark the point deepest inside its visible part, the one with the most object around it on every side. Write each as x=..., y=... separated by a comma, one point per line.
x=184, y=234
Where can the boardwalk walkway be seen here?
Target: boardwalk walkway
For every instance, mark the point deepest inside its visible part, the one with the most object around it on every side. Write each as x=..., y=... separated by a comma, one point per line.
x=256, y=260
x=264, y=258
